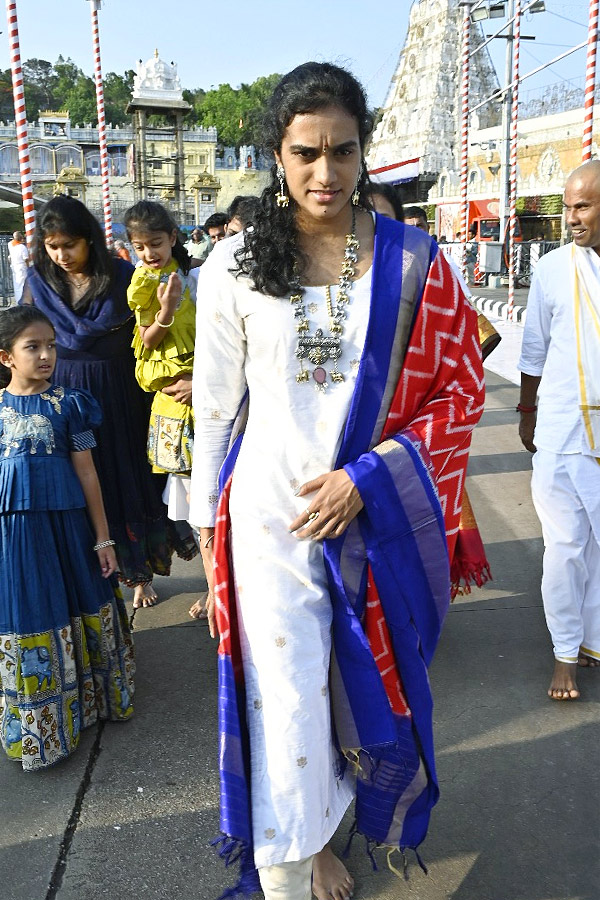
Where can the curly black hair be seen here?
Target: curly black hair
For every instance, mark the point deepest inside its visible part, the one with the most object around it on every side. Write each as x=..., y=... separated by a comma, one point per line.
x=270, y=255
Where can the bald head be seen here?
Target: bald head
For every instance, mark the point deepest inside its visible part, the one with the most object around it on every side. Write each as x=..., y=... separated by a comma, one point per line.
x=582, y=205
x=589, y=172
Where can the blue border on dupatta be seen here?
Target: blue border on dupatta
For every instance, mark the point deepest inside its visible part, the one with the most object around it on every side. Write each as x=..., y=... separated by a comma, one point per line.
x=400, y=801
x=386, y=291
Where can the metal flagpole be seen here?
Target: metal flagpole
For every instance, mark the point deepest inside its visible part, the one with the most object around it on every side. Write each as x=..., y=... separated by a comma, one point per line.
x=101, y=124
x=512, y=250
x=20, y=119
x=464, y=135
x=590, y=81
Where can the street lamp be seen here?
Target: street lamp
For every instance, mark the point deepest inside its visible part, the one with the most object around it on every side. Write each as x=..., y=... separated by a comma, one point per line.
x=488, y=11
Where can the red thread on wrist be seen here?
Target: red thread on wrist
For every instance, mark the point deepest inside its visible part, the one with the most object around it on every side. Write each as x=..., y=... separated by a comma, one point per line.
x=526, y=409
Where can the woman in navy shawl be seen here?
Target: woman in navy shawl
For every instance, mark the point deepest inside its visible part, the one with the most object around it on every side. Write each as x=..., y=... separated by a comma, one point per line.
x=83, y=291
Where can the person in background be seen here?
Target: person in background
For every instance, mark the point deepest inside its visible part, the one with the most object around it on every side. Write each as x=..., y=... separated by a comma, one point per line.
x=386, y=200
x=472, y=253
x=241, y=213
x=199, y=245
x=83, y=291
x=560, y=425
x=416, y=216
x=122, y=251
x=19, y=263
x=216, y=226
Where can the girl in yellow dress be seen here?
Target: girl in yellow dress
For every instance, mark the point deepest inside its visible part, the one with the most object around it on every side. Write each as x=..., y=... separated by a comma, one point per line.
x=161, y=296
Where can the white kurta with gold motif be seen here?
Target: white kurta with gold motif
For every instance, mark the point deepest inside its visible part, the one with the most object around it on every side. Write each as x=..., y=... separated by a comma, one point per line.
x=293, y=435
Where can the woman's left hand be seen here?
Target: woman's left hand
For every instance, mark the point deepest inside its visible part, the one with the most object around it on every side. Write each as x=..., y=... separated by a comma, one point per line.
x=337, y=502
x=180, y=390
x=107, y=560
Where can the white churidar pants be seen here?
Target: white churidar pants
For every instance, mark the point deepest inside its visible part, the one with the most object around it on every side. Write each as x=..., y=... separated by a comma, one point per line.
x=566, y=494
x=288, y=880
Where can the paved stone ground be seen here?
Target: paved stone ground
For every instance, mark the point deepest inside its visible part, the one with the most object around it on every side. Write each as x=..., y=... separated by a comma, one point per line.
x=133, y=812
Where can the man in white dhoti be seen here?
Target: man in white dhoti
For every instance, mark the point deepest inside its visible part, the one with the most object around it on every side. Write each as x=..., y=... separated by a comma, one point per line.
x=19, y=262
x=560, y=365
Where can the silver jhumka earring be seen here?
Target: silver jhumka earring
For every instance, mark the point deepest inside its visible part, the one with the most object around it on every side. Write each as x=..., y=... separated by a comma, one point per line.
x=282, y=198
x=356, y=194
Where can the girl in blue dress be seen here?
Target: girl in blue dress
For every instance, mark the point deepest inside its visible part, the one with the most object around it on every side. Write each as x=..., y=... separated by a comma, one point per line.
x=66, y=655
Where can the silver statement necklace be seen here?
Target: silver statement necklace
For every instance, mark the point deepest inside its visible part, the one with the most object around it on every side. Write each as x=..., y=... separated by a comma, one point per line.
x=320, y=348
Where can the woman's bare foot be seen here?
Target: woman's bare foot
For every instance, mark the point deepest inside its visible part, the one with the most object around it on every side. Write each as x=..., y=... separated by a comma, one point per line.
x=198, y=609
x=331, y=878
x=564, y=681
x=144, y=595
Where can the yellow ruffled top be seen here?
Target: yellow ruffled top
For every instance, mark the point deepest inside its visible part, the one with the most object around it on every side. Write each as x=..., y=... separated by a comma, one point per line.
x=174, y=356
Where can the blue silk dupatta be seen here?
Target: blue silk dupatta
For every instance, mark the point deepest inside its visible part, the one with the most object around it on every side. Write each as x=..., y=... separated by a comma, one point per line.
x=418, y=394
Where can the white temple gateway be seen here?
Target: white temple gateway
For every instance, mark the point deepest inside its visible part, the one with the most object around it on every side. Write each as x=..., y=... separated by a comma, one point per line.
x=419, y=132
x=157, y=80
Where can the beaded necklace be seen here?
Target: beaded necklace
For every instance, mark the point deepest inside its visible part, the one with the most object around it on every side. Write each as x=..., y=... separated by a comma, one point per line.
x=320, y=348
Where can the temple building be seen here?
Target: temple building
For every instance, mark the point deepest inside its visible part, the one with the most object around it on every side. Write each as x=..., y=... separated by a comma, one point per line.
x=419, y=131
x=159, y=156
x=417, y=144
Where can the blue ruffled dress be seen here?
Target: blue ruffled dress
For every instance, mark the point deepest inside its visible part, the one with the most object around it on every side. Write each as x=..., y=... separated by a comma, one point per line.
x=93, y=348
x=66, y=654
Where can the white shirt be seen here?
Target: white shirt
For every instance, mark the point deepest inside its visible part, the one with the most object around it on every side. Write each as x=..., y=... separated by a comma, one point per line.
x=19, y=258
x=549, y=349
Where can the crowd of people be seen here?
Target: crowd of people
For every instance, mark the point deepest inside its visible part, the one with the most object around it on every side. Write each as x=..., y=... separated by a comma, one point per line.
x=260, y=395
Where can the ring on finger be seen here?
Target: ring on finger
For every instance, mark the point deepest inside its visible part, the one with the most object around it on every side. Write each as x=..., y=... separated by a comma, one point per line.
x=312, y=515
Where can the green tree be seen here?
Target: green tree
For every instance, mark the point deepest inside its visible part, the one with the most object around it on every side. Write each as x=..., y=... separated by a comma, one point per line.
x=38, y=85
x=195, y=99
x=259, y=93
x=117, y=94
x=81, y=101
x=7, y=106
x=237, y=112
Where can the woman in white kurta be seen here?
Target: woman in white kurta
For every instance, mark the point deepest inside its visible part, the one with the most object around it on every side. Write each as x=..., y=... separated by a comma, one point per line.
x=248, y=340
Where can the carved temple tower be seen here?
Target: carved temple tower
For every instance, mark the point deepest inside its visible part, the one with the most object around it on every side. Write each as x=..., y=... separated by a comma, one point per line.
x=419, y=132
x=157, y=92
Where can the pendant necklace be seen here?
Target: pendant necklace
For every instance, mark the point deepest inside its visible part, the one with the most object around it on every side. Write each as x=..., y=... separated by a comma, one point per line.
x=320, y=347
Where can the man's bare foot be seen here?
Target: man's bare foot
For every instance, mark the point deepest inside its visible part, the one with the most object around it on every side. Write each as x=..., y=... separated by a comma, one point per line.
x=331, y=878
x=144, y=595
x=564, y=681
x=198, y=609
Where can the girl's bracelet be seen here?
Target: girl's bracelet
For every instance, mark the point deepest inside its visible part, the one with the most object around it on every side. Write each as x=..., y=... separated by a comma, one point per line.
x=208, y=541
x=104, y=544
x=160, y=324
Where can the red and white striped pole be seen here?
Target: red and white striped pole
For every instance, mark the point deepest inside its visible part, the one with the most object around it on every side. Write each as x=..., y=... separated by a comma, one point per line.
x=514, y=119
x=464, y=135
x=101, y=125
x=20, y=119
x=590, y=81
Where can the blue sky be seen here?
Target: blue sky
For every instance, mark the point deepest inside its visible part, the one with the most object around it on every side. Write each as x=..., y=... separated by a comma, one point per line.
x=237, y=42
